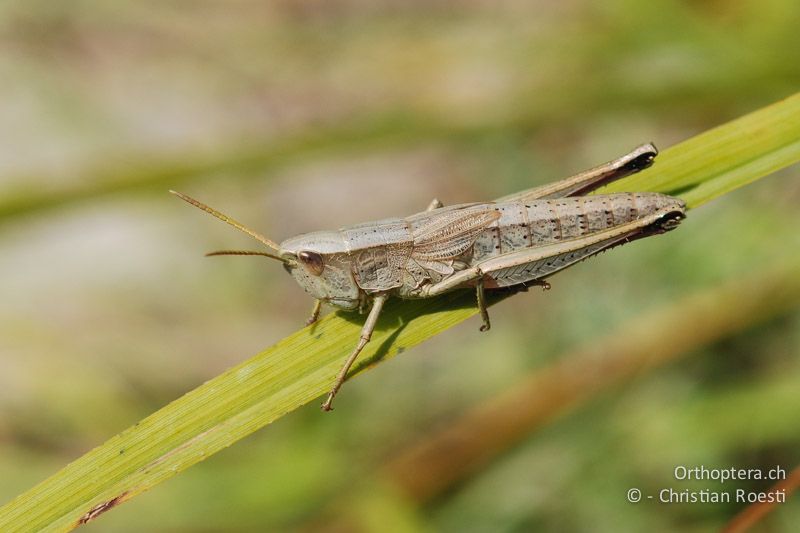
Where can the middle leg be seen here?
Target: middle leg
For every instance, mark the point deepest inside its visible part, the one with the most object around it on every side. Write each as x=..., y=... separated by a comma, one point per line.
x=482, y=305
x=435, y=204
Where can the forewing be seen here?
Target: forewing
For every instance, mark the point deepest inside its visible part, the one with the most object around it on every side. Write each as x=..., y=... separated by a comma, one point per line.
x=448, y=235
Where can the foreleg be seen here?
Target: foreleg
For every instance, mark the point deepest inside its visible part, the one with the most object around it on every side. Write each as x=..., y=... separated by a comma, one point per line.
x=314, y=312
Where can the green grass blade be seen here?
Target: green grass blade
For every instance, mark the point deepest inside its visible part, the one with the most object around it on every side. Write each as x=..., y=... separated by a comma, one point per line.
x=287, y=375
x=726, y=157
x=301, y=367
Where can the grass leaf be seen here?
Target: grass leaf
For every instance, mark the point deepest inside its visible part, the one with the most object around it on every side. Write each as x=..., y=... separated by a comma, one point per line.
x=301, y=367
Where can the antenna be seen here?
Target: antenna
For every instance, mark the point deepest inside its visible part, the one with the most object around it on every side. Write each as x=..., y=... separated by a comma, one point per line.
x=245, y=252
x=229, y=220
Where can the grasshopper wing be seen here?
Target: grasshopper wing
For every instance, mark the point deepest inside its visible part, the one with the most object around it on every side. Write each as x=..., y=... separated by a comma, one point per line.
x=443, y=236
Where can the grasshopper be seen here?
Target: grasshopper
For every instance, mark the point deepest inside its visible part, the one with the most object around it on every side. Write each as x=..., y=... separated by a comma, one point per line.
x=514, y=241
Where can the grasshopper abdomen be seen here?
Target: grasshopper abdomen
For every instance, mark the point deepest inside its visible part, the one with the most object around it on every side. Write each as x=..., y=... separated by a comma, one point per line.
x=544, y=222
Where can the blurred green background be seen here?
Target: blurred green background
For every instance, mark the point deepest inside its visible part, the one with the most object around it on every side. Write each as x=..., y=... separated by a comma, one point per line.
x=297, y=116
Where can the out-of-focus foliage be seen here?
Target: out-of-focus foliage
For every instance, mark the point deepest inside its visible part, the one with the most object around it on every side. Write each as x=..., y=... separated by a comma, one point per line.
x=300, y=367
x=366, y=110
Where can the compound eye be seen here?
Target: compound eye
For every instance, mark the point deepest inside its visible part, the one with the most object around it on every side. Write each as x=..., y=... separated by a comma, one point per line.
x=312, y=261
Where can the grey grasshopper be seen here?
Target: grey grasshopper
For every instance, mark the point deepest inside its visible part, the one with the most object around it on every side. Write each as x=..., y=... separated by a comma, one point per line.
x=514, y=241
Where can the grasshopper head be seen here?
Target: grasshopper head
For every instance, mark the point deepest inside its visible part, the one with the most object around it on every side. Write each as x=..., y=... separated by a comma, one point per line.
x=318, y=261
x=320, y=264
